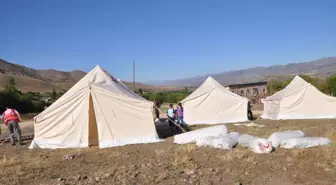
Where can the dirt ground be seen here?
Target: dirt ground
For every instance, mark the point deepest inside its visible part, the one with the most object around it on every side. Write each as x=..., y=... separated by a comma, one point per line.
x=168, y=163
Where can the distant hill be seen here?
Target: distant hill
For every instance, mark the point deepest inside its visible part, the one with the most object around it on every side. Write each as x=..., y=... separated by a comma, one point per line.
x=321, y=67
x=28, y=79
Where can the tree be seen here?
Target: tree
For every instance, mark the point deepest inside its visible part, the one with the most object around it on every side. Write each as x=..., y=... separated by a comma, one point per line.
x=274, y=86
x=140, y=91
x=54, y=95
x=10, y=84
x=331, y=83
x=186, y=90
x=159, y=97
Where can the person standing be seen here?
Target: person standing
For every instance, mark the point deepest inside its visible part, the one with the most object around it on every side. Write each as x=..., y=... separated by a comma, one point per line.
x=171, y=117
x=157, y=112
x=11, y=118
x=249, y=110
x=180, y=114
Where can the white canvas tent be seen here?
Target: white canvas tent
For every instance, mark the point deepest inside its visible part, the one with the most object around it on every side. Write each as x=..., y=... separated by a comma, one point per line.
x=212, y=103
x=299, y=100
x=97, y=111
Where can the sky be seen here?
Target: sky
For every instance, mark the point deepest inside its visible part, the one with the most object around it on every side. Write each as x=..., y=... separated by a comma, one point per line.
x=168, y=39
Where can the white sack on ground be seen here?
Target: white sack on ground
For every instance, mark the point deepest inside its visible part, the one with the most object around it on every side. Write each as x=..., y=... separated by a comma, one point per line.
x=304, y=142
x=257, y=145
x=245, y=140
x=192, y=136
x=277, y=137
x=260, y=145
x=222, y=142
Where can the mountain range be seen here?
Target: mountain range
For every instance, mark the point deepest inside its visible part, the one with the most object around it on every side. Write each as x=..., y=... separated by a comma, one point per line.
x=29, y=79
x=34, y=80
x=322, y=67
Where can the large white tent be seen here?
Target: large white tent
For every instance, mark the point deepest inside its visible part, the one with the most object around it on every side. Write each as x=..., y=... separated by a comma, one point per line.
x=299, y=100
x=97, y=111
x=212, y=103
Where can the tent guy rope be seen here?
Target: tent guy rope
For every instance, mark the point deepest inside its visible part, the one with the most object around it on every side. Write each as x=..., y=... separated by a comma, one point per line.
x=9, y=137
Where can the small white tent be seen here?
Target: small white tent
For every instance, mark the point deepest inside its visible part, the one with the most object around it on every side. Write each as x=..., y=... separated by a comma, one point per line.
x=97, y=111
x=212, y=103
x=299, y=100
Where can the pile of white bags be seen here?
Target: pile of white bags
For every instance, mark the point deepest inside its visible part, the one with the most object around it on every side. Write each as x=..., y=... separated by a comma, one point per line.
x=257, y=145
x=192, y=136
x=218, y=137
x=304, y=142
x=227, y=141
x=277, y=137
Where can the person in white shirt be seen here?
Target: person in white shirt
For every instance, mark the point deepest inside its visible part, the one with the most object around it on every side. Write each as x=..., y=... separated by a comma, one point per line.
x=171, y=116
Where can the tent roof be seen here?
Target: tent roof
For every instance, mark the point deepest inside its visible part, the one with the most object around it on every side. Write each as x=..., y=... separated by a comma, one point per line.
x=208, y=85
x=294, y=86
x=99, y=78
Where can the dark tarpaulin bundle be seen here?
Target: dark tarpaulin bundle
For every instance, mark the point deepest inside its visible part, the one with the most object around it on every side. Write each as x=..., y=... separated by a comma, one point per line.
x=114, y=79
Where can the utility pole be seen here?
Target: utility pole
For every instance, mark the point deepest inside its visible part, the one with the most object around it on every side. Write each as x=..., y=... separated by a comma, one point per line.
x=134, y=75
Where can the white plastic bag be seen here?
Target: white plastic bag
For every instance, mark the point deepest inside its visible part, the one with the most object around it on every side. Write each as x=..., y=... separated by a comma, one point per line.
x=277, y=137
x=222, y=142
x=245, y=140
x=204, y=142
x=257, y=145
x=192, y=136
x=304, y=142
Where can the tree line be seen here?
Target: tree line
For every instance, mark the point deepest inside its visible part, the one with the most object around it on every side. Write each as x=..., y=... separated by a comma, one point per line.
x=165, y=97
x=30, y=102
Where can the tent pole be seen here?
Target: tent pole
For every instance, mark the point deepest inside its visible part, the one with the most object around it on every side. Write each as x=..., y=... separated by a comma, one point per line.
x=179, y=126
x=133, y=75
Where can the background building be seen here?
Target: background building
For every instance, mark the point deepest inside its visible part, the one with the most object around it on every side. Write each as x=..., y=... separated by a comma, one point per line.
x=254, y=91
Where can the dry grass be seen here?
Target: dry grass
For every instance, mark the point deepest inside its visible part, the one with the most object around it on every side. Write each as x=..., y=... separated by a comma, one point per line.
x=180, y=160
x=297, y=153
x=8, y=161
x=168, y=163
x=234, y=154
x=115, y=154
x=161, y=176
x=188, y=148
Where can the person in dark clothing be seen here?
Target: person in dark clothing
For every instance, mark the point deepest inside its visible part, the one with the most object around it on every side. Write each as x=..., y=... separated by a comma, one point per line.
x=249, y=111
x=157, y=112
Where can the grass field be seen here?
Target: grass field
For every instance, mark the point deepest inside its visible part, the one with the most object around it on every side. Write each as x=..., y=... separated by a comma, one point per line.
x=168, y=163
